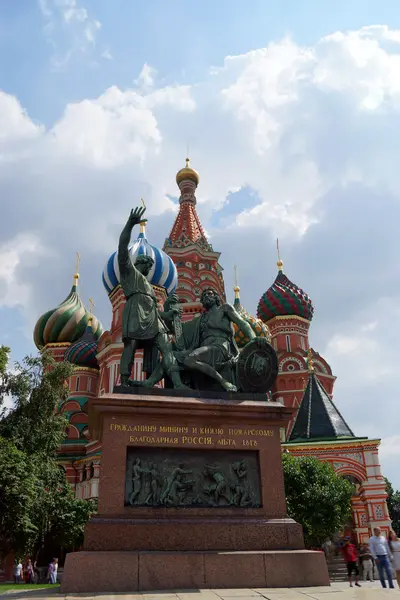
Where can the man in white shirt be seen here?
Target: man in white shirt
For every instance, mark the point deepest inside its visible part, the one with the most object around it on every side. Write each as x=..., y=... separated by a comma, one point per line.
x=17, y=571
x=380, y=551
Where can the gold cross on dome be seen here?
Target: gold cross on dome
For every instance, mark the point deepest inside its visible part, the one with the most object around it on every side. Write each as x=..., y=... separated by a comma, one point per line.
x=92, y=305
x=78, y=260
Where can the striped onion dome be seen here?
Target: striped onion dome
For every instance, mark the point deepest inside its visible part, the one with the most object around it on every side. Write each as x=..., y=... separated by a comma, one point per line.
x=259, y=328
x=66, y=323
x=83, y=352
x=163, y=273
x=284, y=298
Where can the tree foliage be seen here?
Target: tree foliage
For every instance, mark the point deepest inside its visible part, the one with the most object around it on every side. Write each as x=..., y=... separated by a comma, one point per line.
x=18, y=490
x=393, y=503
x=316, y=497
x=37, y=504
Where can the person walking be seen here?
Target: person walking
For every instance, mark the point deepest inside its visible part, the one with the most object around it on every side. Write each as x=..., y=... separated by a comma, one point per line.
x=53, y=568
x=17, y=571
x=380, y=551
x=350, y=556
x=29, y=572
x=394, y=545
x=367, y=563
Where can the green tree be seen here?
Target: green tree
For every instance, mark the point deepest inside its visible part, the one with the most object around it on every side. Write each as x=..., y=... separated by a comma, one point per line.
x=18, y=491
x=38, y=498
x=316, y=497
x=393, y=503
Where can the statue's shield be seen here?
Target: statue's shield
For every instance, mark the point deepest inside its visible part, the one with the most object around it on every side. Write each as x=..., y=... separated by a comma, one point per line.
x=257, y=367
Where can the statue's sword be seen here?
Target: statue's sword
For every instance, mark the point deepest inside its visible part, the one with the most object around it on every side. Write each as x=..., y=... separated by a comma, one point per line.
x=177, y=324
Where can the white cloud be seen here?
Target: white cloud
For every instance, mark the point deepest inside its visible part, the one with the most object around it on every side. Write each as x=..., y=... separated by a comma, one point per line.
x=390, y=447
x=118, y=127
x=312, y=131
x=69, y=29
x=146, y=77
x=15, y=125
x=22, y=249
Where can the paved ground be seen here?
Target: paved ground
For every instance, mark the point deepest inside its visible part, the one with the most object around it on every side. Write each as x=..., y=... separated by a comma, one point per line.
x=338, y=591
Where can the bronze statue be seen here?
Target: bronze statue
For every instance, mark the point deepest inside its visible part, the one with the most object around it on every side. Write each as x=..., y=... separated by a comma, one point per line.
x=210, y=348
x=142, y=324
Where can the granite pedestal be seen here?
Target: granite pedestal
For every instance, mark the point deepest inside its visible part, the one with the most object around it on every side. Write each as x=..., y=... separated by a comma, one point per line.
x=152, y=545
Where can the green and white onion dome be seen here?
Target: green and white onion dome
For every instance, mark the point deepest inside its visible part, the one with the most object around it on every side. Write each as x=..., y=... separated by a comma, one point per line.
x=67, y=322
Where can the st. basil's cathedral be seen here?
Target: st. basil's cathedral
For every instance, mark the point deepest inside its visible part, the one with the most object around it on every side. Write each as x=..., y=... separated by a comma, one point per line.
x=188, y=264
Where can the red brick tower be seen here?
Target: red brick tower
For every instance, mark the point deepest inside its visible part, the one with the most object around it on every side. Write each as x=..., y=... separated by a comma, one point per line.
x=187, y=245
x=288, y=311
x=70, y=332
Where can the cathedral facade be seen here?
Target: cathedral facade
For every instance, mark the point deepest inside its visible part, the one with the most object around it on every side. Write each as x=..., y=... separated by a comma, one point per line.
x=187, y=264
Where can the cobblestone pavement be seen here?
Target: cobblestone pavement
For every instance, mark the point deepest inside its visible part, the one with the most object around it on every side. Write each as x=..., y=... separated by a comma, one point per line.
x=338, y=591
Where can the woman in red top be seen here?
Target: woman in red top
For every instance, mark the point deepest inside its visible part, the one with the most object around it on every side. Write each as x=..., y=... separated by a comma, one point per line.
x=350, y=555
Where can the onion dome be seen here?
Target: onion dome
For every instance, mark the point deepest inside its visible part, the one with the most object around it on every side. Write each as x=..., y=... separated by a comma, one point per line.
x=259, y=328
x=187, y=173
x=162, y=274
x=284, y=298
x=83, y=352
x=66, y=323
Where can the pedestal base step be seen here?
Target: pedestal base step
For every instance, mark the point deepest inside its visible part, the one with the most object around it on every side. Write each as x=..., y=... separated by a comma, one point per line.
x=152, y=571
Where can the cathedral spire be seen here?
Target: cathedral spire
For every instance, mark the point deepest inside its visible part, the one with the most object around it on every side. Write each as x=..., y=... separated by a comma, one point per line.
x=187, y=224
x=187, y=245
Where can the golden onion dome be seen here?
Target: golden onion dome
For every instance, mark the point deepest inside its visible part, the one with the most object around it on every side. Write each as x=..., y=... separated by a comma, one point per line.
x=187, y=173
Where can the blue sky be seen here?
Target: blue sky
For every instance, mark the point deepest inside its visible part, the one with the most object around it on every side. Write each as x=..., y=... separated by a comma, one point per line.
x=291, y=113
x=181, y=39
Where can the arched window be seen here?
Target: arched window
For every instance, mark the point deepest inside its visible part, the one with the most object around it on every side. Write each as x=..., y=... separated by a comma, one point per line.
x=77, y=385
x=354, y=481
x=288, y=347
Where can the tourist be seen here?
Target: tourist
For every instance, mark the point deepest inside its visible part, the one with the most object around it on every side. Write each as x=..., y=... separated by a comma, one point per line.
x=29, y=572
x=17, y=571
x=367, y=563
x=394, y=545
x=350, y=556
x=327, y=547
x=52, y=573
x=55, y=570
x=381, y=553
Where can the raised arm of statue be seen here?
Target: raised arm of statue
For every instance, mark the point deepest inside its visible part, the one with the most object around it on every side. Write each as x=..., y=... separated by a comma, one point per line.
x=237, y=319
x=135, y=218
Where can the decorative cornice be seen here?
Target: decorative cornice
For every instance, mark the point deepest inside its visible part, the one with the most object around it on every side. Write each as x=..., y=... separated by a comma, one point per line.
x=114, y=346
x=360, y=443
x=287, y=317
x=90, y=369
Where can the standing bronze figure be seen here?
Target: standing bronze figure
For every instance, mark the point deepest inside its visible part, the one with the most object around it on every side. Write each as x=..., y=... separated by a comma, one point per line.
x=142, y=325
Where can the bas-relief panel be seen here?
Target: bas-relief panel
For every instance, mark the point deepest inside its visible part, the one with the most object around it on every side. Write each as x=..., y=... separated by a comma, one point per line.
x=172, y=477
